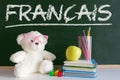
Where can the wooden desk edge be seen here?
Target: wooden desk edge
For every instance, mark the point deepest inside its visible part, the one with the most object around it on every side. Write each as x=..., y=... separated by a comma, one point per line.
x=99, y=66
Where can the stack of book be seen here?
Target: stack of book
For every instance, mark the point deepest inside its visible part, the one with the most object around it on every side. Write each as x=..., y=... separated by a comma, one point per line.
x=80, y=68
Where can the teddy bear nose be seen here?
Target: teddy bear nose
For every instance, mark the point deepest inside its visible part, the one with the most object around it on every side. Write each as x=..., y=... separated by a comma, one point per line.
x=36, y=43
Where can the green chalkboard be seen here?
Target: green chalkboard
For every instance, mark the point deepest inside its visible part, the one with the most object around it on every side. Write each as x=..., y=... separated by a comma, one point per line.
x=62, y=21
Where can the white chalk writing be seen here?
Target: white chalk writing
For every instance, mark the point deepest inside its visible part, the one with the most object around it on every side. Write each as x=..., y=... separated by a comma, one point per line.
x=61, y=14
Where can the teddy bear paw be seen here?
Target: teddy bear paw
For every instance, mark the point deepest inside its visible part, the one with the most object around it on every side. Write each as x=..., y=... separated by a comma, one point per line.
x=46, y=66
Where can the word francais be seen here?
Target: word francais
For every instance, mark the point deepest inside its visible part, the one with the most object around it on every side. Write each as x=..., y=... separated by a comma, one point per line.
x=22, y=12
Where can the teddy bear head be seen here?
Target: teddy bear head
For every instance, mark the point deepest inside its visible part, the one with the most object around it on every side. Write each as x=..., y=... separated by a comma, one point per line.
x=32, y=41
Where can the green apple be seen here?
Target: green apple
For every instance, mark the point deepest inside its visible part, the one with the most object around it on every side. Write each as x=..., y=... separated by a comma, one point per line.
x=73, y=53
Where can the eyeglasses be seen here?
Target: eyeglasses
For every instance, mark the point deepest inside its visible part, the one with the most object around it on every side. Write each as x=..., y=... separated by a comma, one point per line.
x=40, y=38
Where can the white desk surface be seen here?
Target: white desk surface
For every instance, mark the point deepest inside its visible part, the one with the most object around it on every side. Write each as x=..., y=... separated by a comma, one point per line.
x=108, y=72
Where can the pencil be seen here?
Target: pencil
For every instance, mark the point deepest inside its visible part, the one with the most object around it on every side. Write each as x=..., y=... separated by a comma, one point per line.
x=89, y=42
x=85, y=48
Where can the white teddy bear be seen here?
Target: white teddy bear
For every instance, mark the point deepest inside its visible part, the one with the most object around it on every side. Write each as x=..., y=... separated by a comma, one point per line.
x=33, y=58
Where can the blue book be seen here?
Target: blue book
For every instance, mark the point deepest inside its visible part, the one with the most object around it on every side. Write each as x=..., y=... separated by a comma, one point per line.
x=80, y=69
x=85, y=74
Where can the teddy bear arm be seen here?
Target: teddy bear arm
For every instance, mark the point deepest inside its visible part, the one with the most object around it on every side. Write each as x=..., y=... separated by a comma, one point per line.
x=48, y=55
x=18, y=56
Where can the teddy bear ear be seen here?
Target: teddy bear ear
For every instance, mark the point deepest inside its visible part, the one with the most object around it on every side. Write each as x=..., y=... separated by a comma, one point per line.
x=46, y=37
x=19, y=38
